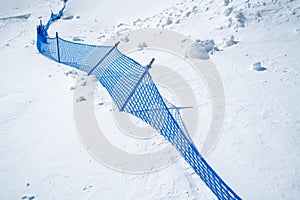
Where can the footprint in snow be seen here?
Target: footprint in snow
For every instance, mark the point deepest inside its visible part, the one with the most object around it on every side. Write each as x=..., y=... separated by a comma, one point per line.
x=258, y=67
x=68, y=17
x=81, y=99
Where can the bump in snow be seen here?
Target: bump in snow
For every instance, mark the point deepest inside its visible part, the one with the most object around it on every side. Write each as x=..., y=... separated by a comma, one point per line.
x=258, y=67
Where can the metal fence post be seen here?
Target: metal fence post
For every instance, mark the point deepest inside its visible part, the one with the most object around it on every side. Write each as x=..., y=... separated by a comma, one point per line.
x=90, y=72
x=57, y=44
x=137, y=84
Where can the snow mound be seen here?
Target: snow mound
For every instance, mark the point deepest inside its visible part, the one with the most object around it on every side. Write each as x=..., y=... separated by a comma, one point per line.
x=141, y=46
x=208, y=45
x=197, y=51
x=229, y=41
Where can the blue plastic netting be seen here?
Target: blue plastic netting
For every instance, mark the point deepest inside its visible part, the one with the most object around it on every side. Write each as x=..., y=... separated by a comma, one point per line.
x=131, y=88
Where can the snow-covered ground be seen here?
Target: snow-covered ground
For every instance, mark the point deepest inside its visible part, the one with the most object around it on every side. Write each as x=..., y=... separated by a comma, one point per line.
x=254, y=45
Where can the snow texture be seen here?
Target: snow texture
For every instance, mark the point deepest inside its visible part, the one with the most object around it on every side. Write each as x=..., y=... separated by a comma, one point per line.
x=259, y=152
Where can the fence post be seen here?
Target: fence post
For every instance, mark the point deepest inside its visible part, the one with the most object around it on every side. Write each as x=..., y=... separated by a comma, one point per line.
x=137, y=85
x=57, y=44
x=90, y=72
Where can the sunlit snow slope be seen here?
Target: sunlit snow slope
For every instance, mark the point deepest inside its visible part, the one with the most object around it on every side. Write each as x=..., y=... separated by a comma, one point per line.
x=254, y=45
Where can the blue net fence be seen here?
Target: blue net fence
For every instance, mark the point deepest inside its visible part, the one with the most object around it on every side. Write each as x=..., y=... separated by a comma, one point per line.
x=132, y=90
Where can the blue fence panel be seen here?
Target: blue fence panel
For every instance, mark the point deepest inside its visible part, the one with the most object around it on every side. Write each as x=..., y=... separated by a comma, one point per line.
x=131, y=88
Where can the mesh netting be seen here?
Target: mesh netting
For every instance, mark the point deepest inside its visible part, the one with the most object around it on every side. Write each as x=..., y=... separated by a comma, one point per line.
x=131, y=88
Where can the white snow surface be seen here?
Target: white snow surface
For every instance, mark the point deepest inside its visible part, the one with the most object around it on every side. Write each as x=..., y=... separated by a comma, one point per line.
x=258, y=154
